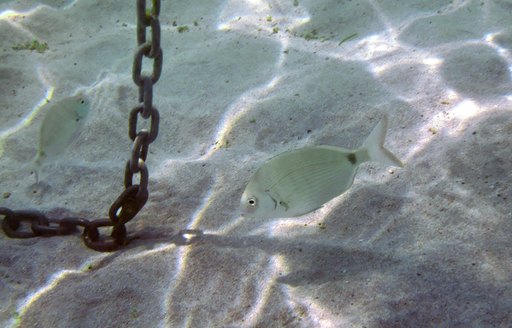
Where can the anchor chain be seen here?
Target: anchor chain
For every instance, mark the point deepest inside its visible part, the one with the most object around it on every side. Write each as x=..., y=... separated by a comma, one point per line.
x=134, y=197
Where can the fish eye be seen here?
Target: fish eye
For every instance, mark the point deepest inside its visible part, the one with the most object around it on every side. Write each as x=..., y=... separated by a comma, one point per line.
x=251, y=201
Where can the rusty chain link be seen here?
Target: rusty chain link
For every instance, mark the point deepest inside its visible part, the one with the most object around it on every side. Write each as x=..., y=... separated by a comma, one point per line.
x=134, y=197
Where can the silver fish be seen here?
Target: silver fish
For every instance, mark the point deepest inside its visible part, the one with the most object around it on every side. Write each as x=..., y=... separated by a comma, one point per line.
x=60, y=126
x=300, y=181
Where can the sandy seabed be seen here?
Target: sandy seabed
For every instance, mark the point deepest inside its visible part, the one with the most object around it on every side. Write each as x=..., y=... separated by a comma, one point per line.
x=428, y=245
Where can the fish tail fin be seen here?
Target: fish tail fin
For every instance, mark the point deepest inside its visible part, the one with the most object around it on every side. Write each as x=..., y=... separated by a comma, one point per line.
x=374, y=144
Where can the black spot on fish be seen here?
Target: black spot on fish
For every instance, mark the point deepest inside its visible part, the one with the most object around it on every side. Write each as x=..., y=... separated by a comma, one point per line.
x=352, y=158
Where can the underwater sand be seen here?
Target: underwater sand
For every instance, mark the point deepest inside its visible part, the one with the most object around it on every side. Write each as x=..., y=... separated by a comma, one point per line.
x=425, y=246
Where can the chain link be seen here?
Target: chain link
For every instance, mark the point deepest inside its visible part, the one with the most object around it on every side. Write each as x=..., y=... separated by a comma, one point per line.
x=134, y=197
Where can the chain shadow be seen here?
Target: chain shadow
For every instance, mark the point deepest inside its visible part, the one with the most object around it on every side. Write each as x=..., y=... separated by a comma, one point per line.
x=324, y=262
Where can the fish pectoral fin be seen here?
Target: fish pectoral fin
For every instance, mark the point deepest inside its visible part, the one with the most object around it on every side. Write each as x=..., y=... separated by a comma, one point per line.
x=281, y=203
x=284, y=204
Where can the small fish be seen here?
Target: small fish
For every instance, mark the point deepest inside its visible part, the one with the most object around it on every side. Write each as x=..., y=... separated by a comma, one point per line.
x=300, y=181
x=60, y=127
